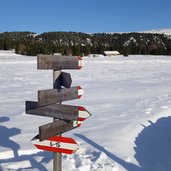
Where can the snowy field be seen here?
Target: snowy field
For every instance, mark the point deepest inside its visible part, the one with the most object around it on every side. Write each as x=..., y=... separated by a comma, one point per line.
x=130, y=102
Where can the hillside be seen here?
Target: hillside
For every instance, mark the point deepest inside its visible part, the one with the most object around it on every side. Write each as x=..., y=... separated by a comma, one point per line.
x=75, y=43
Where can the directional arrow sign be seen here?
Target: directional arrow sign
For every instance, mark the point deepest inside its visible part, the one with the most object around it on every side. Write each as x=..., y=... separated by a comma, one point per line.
x=59, y=62
x=57, y=144
x=58, y=111
x=56, y=128
x=52, y=96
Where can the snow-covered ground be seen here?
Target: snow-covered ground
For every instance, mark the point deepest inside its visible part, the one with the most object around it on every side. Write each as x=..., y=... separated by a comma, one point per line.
x=130, y=102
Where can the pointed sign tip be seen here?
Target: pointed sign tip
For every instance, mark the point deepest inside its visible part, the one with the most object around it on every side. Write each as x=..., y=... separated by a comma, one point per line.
x=80, y=92
x=80, y=62
x=83, y=113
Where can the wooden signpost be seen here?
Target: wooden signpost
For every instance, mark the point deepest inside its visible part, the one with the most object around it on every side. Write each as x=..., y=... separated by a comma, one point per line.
x=65, y=117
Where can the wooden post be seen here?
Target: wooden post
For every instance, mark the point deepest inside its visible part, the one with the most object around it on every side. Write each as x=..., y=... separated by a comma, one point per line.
x=57, y=158
x=57, y=162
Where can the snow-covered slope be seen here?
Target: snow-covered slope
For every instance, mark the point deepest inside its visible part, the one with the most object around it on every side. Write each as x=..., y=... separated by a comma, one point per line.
x=154, y=31
x=160, y=31
x=130, y=102
x=166, y=31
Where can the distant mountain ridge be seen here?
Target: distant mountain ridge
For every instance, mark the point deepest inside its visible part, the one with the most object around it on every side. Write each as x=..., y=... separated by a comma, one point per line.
x=166, y=31
x=155, y=42
x=153, y=31
x=159, y=31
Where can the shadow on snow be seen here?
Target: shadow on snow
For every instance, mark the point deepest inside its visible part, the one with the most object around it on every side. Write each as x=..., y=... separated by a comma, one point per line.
x=5, y=141
x=5, y=134
x=153, y=148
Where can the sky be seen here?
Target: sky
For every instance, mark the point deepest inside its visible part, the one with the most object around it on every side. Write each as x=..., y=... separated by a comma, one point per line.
x=88, y=16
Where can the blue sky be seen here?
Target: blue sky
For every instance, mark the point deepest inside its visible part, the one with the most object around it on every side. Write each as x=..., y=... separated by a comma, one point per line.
x=89, y=16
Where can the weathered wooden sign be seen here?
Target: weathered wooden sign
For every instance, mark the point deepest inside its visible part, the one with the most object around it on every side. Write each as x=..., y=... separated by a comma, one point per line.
x=51, y=96
x=59, y=62
x=57, y=111
x=56, y=128
x=57, y=144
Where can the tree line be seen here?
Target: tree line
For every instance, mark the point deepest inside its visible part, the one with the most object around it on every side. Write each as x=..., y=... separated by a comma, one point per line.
x=77, y=43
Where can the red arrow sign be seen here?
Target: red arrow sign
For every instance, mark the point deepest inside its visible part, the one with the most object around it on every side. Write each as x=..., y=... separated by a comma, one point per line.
x=57, y=144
